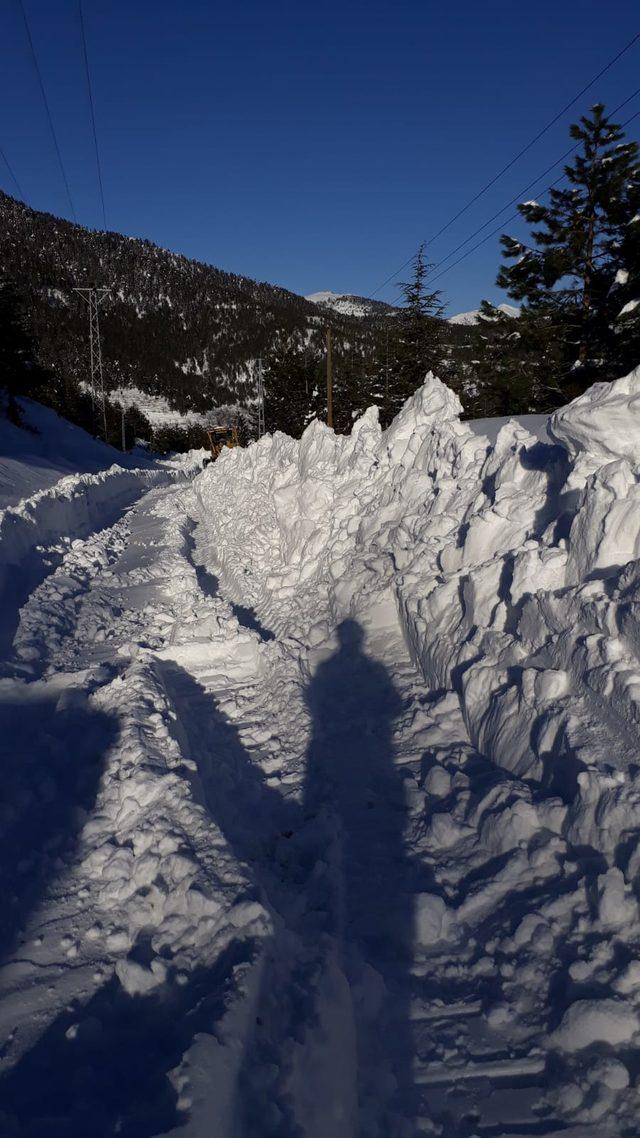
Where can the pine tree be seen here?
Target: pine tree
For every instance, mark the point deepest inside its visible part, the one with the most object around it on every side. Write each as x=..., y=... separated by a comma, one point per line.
x=514, y=359
x=626, y=296
x=294, y=390
x=582, y=248
x=416, y=337
x=19, y=372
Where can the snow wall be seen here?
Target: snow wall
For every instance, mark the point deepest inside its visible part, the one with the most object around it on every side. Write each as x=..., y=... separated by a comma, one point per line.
x=514, y=569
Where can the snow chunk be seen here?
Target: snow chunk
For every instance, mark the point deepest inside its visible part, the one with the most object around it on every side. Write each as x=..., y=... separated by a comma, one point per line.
x=604, y=423
x=617, y=906
x=595, y=1021
x=432, y=405
x=434, y=921
x=138, y=980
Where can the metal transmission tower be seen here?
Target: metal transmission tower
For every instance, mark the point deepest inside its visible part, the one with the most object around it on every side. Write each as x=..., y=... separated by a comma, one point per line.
x=260, y=395
x=94, y=297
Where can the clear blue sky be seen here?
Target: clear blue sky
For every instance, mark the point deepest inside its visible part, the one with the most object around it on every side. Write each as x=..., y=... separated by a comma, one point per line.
x=313, y=145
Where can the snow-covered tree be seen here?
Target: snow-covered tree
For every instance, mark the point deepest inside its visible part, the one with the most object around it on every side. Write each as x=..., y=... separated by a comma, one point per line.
x=417, y=336
x=294, y=388
x=574, y=275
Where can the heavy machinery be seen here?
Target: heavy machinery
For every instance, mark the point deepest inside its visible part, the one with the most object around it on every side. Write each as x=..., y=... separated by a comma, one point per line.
x=221, y=437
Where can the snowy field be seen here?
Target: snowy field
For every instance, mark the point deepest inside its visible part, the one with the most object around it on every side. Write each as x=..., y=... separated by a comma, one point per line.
x=321, y=783
x=156, y=410
x=46, y=449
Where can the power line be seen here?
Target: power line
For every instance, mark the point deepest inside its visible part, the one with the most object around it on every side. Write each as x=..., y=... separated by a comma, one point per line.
x=515, y=159
x=518, y=196
x=515, y=216
x=93, y=117
x=11, y=173
x=539, y=135
x=47, y=107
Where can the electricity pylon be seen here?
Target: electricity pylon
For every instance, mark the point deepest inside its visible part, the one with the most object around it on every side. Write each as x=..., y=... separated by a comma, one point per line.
x=94, y=297
x=260, y=395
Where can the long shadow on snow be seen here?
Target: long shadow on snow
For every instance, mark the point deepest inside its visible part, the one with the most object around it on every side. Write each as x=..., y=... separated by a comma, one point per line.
x=210, y=586
x=361, y=882
x=51, y=759
x=335, y=872
x=101, y=1070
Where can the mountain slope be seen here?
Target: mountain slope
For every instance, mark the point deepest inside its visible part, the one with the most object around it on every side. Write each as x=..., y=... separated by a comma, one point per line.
x=172, y=328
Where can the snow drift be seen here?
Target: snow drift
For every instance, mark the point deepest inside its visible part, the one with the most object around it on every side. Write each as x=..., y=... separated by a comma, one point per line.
x=49, y=507
x=416, y=806
x=514, y=567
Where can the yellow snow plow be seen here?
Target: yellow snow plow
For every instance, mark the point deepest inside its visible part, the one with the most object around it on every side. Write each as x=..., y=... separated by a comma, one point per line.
x=221, y=437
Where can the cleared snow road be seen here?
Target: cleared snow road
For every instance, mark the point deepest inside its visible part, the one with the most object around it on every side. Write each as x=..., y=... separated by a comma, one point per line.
x=234, y=916
x=268, y=870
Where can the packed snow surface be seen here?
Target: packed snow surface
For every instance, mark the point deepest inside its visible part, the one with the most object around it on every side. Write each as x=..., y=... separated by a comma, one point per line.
x=322, y=786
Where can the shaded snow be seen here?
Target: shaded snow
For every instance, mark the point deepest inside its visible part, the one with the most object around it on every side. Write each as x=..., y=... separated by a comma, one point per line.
x=490, y=427
x=44, y=449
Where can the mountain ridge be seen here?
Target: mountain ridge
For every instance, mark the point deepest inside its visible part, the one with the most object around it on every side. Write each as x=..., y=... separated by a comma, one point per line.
x=467, y=319
x=172, y=327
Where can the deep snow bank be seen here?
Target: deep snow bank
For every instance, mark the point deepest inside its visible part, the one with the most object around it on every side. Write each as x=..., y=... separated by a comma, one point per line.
x=47, y=448
x=67, y=507
x=514, y=567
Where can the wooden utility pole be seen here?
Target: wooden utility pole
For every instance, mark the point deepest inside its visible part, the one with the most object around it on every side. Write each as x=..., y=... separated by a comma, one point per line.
x=260, y=398
x=329, y=380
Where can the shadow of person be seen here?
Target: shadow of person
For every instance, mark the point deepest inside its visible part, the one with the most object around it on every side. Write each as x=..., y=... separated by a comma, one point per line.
x=355, y=791
x=329, y=1050
x=52, y=751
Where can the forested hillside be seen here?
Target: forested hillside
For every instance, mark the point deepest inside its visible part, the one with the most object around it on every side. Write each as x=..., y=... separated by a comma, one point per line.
x=171, y=327
x=181, y=336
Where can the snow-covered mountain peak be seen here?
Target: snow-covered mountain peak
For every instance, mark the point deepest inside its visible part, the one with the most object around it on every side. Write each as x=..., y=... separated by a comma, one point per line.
x=469, y=318
x=346, y=304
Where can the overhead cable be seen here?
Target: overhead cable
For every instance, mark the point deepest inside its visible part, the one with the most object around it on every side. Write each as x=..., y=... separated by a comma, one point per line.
x=47, y=108
x=492, y=181
x=92, y=111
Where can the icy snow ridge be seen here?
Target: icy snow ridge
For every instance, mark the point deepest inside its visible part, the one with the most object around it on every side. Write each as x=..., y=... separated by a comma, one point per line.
x=511, y=566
